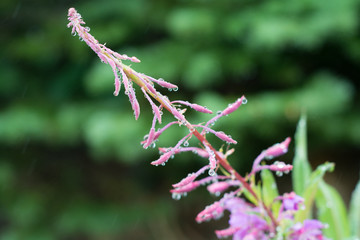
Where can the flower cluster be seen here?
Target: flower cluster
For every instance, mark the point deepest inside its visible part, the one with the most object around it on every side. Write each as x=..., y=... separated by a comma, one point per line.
x=251, y=219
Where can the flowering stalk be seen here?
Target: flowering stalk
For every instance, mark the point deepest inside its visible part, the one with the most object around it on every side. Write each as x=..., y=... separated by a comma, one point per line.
x=254, y=220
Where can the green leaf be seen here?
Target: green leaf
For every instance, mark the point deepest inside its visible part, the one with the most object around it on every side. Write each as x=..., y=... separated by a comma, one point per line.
x=311, y=188
x=301, y=167
x=332, y=211
x=269, y=190
x=354, y=212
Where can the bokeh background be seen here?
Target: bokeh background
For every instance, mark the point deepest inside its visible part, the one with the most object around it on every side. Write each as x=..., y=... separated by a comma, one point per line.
x=71, y=164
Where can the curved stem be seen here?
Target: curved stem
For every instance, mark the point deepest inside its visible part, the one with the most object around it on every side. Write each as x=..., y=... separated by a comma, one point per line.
x=223, y=162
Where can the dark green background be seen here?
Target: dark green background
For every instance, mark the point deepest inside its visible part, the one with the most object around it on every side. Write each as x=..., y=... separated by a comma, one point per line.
x=71, y=164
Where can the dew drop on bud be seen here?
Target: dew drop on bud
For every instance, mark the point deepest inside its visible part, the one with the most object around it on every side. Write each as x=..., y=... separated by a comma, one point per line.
x=73, y=33
x=218, y=112
x=212, y=172
x=176, y=196
x=87, y=29
x=244, y=101
x=279, y=174
x=163, y=164
x=186, y=143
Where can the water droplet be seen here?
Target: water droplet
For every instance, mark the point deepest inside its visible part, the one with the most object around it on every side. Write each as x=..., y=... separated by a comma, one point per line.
x=87, y=29
x=219, y=112
x=175, y=89
x=217, y=194
x=244, y=101
x=163, y=164
x=212, y=172
x=176, y=196
x=186, y=143
x=73, y=33
x=280, y=164
x=170, y=89
x=192, y=129
x=81, y=39
x=279, y=174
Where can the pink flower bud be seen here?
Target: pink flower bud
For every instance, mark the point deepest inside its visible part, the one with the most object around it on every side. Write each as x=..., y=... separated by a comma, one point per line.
x=226, y=232
x=277, y=149
x=163, y=83
x=163, y=158
x=153, y=106
x=150, y=138
x=213, y=211
x=117, y=86
x=194, y=106
x=191, y=177
x=232, y=107
x=134, y=59
x=200, y=108
x=134, y=103
x=280, y=167
x=218, y=187
x=201, y=152
x=186, y=188
x=225, y=137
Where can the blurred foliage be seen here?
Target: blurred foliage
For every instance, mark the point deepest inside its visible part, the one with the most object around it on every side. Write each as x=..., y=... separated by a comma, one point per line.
x=71, y=166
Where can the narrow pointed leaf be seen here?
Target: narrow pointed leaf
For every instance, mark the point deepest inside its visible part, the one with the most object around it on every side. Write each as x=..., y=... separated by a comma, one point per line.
x=269, y=190
x=311, y=189
x=301, y=167
x=354, y=212
x=332, y=211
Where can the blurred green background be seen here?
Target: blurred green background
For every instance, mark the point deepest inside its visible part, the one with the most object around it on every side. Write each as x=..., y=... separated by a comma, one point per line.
x=71, y=164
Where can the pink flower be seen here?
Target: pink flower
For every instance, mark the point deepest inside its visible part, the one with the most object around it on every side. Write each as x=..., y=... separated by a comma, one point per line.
x=291, y=201
x=245, y=219
x=309, y=230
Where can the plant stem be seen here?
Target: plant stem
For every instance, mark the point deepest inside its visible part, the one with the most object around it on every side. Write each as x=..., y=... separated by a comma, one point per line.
x=223, y=162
